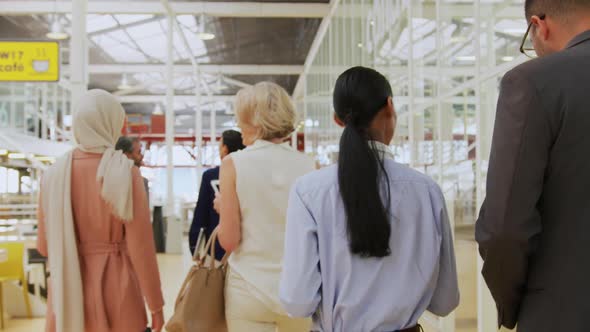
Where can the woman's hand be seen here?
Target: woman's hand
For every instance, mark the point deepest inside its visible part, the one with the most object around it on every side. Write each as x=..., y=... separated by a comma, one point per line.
x=217, y=203
x=158, y=321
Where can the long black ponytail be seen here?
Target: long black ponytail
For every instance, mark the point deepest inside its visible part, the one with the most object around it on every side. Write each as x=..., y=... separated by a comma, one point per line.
x=360, y=93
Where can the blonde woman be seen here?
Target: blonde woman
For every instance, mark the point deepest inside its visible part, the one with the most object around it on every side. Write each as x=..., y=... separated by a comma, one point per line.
x=94, y=226
x=255, y=185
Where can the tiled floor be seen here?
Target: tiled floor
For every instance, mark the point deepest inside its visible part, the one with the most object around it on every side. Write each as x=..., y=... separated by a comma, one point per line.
x=172, y=278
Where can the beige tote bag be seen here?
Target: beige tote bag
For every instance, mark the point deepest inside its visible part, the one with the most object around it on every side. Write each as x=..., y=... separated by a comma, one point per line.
x=200, y=305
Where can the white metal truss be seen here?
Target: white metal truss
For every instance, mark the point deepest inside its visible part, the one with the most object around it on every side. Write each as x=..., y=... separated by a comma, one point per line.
x=221, y=9
x=204, y=68
x=177, y=98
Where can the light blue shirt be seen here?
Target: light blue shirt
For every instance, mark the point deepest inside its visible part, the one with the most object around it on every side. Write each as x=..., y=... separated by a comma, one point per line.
x=345, y=292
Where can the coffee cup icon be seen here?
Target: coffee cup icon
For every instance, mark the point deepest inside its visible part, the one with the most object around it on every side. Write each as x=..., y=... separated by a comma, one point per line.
x=41, y=66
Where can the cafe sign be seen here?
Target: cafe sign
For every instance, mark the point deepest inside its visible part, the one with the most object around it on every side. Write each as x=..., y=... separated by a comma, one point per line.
x=29, y=61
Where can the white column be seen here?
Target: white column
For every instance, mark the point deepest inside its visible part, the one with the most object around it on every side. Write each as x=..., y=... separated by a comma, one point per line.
x=12, y=105
x=411, y=81
x=490, y=93
x=170, y=118
x=26, y=106
x=439, y=106
x=486, y=309
x=213, y=125
x=198, y=124
x=64, y=110
x=78, y=51
x=35, y=113
x=294, y=139
x=54, y=112
x=447, y=323
x=305, y=129
x=44, y=113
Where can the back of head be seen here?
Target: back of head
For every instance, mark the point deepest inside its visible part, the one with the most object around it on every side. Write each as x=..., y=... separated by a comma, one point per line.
x=125, y=144
x=561, y=9
x=98, y=120
x=267, y=107
x=359, y=95
x=233, y=140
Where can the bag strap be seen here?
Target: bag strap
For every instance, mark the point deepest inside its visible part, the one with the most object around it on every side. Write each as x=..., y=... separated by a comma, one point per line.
x=210, y=247
x=181, y=294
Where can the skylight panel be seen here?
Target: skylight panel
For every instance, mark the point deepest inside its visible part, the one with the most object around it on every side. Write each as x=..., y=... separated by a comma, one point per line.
x=99, y=22
x=126, y=54
x=146, y=30
x=126, y=19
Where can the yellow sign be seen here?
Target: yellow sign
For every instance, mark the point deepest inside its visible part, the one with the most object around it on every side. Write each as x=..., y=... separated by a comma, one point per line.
x=29, y=61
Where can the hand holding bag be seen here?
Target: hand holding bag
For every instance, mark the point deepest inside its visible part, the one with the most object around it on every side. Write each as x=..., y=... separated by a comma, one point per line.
x=200, y=305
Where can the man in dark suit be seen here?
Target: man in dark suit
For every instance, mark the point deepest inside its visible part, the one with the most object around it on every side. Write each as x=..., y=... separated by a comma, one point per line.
x=534, y=226
x=205, y=216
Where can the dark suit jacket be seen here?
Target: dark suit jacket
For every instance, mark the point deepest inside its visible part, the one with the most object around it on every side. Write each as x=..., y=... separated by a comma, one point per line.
x=205, y=216
x=534, y=227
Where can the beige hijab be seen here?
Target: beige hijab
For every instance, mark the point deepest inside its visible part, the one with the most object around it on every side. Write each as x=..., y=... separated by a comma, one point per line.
x=98, y=120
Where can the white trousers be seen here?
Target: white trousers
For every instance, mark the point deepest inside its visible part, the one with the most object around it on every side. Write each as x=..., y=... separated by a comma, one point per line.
x=245, y=313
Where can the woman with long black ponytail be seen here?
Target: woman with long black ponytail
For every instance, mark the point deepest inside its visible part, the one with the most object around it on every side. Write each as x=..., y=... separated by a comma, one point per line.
x=368, y=245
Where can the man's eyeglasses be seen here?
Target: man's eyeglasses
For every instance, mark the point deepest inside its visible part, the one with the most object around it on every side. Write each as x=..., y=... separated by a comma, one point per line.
x=526, y=47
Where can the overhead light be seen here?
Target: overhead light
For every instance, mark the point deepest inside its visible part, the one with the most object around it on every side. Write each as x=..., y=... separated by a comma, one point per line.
x=458, y=39
x=203, y=34
x=158, y=110
x=372, y=23
x=57, y=32
x=67, y=120
x=514, y=31
x=47, y=159
x=507, y=58
x=16, y=156
x=3, y=152
x=124, y=83
x=360, y=45
x=466, y=58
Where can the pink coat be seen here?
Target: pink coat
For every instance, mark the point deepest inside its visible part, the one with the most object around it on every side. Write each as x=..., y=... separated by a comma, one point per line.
x=117, y=260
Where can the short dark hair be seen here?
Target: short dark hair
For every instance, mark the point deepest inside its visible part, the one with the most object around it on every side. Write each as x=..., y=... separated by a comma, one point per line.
x=125, y=144
x=233, y=140
x=557, y=8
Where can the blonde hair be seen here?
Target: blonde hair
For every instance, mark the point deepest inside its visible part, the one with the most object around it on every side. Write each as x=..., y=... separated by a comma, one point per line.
x=267, y=107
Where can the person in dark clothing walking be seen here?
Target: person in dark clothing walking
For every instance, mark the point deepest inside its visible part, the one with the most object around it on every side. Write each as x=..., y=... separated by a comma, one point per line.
x=205, y=216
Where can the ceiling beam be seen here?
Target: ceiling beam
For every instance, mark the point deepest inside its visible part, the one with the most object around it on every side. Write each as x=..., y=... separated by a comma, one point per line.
x=98, y=69
x=220, y=9
x=315, y=47
x=399, y=100
x=124, y=26
x=456, y=10
x=187, y=69
x=448, y=10
x=403, y=100
x=132, y=99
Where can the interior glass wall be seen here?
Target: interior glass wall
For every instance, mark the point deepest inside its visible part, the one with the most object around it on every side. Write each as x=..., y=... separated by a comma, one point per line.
x=444, y=60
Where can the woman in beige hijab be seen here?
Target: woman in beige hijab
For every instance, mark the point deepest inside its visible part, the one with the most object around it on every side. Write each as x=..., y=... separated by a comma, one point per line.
x=94, y=226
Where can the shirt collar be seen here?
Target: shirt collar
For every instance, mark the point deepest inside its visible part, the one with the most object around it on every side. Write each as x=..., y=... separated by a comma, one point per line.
x=260, y=143
x=579, y=39
x=383, y=149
